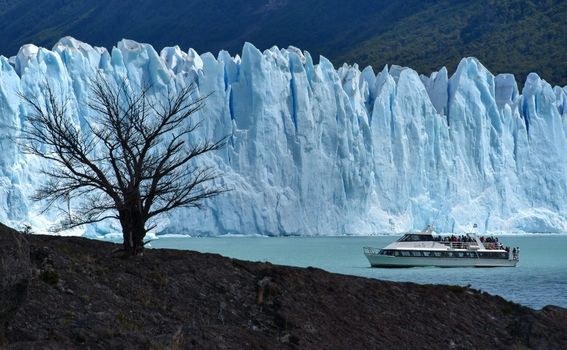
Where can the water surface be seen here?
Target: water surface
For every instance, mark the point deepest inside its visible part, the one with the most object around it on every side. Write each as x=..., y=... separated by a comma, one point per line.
x=539, y=279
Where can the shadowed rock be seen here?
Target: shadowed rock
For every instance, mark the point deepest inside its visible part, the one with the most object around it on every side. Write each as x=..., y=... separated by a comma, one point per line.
x=81, y=297
x=15, y=273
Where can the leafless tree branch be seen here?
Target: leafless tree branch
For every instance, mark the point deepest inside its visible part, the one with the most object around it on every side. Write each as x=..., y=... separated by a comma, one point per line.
x=133, y=161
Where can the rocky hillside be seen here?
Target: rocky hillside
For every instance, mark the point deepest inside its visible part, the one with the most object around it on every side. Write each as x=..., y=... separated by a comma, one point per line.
x=60, y=293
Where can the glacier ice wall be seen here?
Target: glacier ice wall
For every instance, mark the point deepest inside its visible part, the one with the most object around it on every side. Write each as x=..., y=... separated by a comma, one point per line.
x=318, y=150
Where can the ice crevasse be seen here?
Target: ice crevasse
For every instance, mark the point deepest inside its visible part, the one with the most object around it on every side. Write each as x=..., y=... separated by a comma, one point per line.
x=315, y=150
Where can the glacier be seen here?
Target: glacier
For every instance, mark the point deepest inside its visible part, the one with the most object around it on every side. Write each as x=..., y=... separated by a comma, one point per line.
x=315, y=150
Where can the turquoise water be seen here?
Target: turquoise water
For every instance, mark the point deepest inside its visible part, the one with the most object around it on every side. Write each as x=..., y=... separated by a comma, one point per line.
x=539, y=279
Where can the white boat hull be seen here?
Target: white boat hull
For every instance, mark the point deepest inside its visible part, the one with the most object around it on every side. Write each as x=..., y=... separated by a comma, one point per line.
x=397, y=261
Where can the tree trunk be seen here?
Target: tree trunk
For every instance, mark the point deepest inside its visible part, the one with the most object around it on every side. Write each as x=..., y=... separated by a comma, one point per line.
x=138, y=233
x=133, y=225
x=133, y=232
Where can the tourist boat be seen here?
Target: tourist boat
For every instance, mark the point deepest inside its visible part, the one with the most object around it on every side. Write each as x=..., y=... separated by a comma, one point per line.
x=426, y=248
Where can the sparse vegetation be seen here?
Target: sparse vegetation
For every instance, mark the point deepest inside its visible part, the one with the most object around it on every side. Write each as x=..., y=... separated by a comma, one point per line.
x=456, y=289
x=27, y=229
x=50, y=277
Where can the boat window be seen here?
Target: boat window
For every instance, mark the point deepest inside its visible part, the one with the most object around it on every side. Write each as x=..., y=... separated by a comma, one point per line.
x=416, y=253
x=415, y=238
x=426, y=238
x=426, y=253
x=437, y=254
x=404, y=253
x=492, y=255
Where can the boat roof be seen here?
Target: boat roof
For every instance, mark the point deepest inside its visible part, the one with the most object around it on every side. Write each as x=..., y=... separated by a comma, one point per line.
x=429, y=230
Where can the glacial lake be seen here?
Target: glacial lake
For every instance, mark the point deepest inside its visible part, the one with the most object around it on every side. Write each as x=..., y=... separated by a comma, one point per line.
x=539, y=279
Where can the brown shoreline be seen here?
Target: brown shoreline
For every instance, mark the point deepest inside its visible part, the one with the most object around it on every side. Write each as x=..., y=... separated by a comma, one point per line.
x=68, y=292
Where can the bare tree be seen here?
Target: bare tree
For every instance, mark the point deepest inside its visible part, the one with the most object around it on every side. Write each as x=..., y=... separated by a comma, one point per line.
x=132, y=162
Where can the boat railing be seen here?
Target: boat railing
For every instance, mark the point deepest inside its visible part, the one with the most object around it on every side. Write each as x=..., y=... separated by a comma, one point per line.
x=491, y=245
x=469, y=245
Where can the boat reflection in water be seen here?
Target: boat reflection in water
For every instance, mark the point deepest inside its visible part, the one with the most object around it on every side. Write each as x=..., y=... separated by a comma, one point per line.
x=426, y=248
